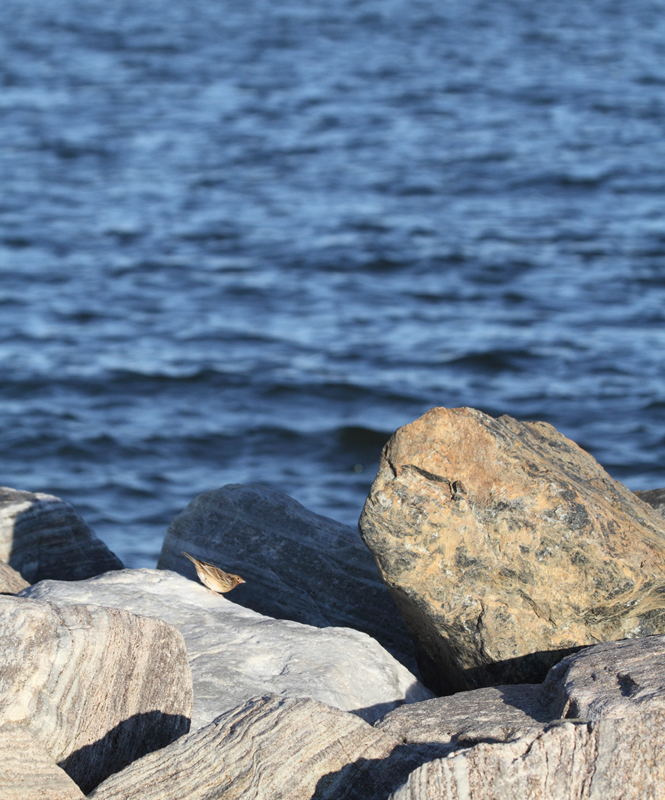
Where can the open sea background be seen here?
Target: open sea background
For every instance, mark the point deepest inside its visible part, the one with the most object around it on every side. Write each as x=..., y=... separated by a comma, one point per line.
x=245, y=241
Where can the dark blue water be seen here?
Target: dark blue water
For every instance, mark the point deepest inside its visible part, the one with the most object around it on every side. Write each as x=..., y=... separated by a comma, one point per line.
x=243, y=242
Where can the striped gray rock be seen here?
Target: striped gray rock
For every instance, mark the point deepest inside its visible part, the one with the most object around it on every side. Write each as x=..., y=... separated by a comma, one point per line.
x=271, y=748
x=97, y=687
x=28, y=772
x=11, y=581
x=42, y=537
x=498, y=713
x=298, y=565
x=619, y=683
x=236, y=653
x=610, y=759
x=614, y=679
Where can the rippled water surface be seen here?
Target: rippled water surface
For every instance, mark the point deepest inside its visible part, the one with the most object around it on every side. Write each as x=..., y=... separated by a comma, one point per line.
x=244, y=242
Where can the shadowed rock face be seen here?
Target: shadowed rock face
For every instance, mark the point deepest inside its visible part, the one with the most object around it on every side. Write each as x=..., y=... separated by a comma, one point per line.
x=298, y=565
x=655, y=498
x=506, y=546
x=42, y=537
x=96, y=687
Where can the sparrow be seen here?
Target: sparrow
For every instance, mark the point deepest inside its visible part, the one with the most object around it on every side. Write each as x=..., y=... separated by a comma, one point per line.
x=218, y=581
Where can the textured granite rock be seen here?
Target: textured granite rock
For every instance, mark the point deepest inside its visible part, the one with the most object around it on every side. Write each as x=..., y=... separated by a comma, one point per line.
x=11, y=581
x=42, y=537
x=28, y=772
x=271, y=748
x=615, y=679
x=611, y=759
x=236, y=653
x=298, y=565
x=499, y=714
x=655, y=498
x=506, y=546
x=96, y=687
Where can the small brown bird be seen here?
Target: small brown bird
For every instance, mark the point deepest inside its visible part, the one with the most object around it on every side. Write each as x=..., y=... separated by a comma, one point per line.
x=218, y=581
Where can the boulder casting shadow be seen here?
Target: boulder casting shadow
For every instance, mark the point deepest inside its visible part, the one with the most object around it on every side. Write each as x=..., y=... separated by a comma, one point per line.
x=90, y=765
x=373, y=778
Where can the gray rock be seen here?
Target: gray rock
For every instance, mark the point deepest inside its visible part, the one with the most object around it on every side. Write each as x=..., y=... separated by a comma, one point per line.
x=272, y=748
x=42, y=537
x=615, y=679
x=236, y=653
x=614, y=682
x=499, y=714
x=298, y=565
x=28, y=772
x=11, y=581
x=655, y=498
x=611, y=759
x=97, y=687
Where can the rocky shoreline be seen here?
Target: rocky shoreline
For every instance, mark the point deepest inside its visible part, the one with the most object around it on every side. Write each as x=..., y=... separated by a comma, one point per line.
x=497, y=632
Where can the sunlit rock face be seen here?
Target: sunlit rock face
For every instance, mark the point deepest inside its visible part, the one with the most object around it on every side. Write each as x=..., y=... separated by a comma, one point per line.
x=236, y=653
x=96, y=687
x=506, y=546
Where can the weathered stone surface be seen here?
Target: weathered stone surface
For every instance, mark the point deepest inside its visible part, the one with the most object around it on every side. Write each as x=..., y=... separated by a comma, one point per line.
x=298, y=565
x=236, y=653
x=28, y=772
x=655, y=498
x=42, y=537
x=506, y=546
x=97, y=687
x=611, y=759
x=498, y=713
x=610, y=680
x=271, y=748
x=11, y=581
x=615, y=679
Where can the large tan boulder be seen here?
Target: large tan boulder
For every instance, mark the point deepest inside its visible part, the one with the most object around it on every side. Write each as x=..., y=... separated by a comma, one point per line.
x=42, y=536
x=506, y=546
x=96, y=687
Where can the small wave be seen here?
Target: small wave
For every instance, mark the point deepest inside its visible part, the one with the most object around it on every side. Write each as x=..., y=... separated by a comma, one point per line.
x=562, y=181
x=494, y=361
x=359, y=436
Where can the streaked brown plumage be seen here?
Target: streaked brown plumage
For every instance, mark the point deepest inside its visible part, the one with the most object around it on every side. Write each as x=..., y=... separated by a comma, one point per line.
x=218, y=581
